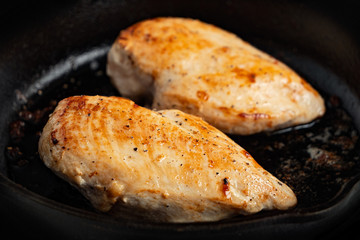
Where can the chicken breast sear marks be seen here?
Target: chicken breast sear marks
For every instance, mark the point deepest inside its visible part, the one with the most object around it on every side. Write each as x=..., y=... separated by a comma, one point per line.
x=165, y=165
x=206, y=71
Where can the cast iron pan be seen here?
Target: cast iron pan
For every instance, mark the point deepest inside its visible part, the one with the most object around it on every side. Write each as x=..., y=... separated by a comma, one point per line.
x=50, y=50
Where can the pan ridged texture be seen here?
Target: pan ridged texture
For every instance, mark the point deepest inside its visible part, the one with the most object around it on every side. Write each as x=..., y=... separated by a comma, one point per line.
x=164, y=166
x=206, y=71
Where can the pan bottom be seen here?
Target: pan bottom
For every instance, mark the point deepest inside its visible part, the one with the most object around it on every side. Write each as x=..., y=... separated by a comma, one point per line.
x=316, y=160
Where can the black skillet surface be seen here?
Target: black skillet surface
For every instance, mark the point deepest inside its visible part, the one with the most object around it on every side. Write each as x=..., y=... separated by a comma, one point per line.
x=59, y=49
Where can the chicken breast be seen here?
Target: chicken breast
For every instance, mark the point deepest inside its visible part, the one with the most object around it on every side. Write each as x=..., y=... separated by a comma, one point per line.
x=164, y=166
x=206, y=71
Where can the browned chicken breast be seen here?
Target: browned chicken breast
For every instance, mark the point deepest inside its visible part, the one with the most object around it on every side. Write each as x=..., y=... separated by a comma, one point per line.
x=165, y=165
x=203, y=70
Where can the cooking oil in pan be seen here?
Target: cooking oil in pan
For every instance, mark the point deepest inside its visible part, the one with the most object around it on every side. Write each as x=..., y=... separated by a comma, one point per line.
x=316, y=160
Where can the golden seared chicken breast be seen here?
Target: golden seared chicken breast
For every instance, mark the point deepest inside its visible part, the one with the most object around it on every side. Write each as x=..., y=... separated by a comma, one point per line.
x=165, y=165
x=206, y=71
